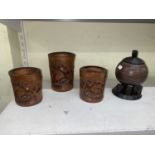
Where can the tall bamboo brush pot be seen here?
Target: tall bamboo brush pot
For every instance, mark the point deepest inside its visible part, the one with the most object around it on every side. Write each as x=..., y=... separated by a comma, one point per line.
x=61, y=65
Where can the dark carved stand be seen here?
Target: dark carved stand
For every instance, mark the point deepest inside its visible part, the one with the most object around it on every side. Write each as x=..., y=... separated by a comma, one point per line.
x=128, y=92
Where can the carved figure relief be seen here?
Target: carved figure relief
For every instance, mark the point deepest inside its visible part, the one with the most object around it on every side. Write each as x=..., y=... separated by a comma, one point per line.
x=27, y=85
x=61, y=66
x=91, y=90
x=26, y=92
x=62, y=75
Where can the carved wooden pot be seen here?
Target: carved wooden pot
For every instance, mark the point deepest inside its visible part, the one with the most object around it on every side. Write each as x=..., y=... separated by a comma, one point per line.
x=61, y=66
x=27, y=85
x=92, y=83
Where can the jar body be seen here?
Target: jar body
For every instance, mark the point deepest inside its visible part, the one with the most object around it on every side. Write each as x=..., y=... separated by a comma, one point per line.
x=130, y=73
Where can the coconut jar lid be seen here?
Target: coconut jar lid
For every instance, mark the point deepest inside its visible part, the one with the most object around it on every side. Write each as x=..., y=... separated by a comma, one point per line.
x=134, y=60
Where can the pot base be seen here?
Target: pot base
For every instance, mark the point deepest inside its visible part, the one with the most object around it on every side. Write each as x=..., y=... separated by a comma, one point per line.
x=128, y=92
x=32, y=103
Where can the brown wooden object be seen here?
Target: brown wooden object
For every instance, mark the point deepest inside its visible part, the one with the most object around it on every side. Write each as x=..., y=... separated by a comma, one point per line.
x=92, y=83
x=61, y=65
x=27, y=85
x=131, y=72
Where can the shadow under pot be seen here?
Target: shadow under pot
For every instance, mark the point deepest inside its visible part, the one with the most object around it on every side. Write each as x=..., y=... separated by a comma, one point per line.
x=92, y=83
x=61, y=65
x=27, y=85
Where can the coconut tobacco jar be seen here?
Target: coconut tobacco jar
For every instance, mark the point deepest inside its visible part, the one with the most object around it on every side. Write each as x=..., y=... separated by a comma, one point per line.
x=131, y=72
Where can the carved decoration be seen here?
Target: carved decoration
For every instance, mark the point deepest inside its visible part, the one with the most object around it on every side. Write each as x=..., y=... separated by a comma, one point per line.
x=91, y=90
x=27, y=85
x=61, y=66
x=61, y=75
x=27, y=92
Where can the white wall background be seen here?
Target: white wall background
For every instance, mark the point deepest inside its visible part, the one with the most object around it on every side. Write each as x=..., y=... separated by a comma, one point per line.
x=10, y=57
x=5, y=65
x=103, y=44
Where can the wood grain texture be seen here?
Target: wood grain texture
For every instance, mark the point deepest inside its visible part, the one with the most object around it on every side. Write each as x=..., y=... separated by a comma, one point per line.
x=27, y=85
x=92, y=83
x=61, y=65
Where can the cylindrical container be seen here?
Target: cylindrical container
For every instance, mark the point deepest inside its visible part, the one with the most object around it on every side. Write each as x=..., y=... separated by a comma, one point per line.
x=61, y=66
x=27, y=85
x=92, y=83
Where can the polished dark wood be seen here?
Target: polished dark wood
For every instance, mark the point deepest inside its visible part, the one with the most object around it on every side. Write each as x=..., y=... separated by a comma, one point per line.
x=131, y=72
x=92, y=83
x=27, y=85
x=61, y=65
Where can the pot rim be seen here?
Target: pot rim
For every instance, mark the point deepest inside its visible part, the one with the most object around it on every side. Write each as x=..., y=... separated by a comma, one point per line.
x=94, y=67
x=34, y=70
x=61, y=53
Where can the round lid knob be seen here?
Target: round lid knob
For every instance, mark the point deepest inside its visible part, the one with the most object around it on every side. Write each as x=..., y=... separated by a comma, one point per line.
x=134, y=53
x=134, y=59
